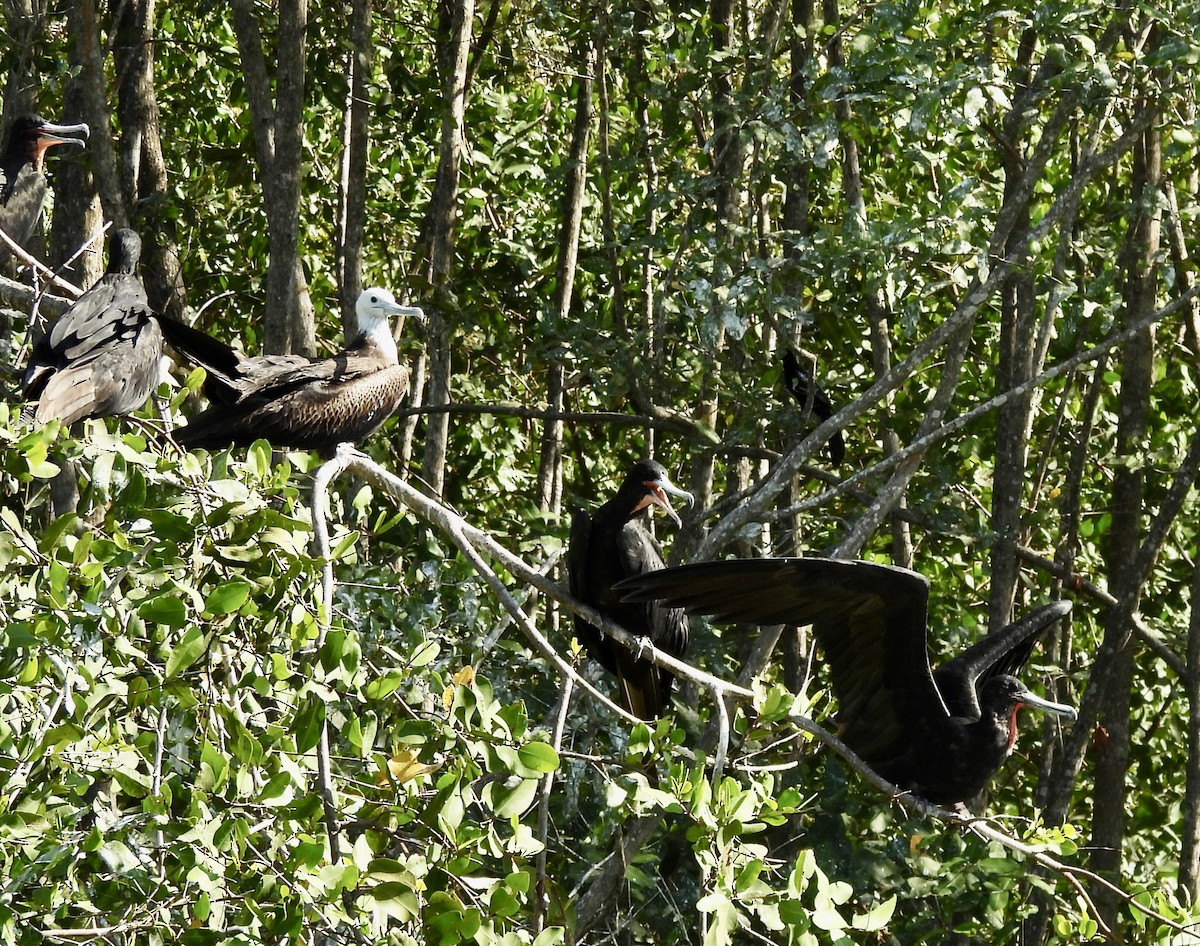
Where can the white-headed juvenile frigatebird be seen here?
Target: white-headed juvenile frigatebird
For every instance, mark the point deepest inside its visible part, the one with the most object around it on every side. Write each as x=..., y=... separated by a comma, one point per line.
x=940, y=734
x=800, y=385
x=293, y=400
x=22, y=183
x=101, y=358
x=615, y=544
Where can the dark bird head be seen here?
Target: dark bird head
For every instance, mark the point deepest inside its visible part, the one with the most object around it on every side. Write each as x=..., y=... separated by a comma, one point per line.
x=31, y=136
x=1002, y=696
x=124, y=251
x=647, y=486
x=374, y=310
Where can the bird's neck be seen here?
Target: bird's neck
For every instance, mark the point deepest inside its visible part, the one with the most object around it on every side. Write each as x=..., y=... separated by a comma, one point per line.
x=378, y=333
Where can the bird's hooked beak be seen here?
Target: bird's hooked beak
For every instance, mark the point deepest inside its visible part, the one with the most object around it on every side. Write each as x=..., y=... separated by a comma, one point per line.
x=1034, y=701
x=50, y=135
x=657, y=496
x=412, y=311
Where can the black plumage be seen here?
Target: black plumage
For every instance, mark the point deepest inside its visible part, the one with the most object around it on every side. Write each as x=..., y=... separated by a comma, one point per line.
x=22, y=184
x=607, y=547
x=941, y=735
x=101, y=358
x=293, y=400
x=799, y=382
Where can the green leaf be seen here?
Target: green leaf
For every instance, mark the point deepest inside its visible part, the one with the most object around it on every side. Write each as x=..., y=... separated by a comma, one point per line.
x=227, y=598
x=538, y=756
x=167, y=609
x=186, y=652
x=307, y=726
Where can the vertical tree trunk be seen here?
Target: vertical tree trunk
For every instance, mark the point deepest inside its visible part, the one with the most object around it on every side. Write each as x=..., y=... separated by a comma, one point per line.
x=144, y=171
x=279, y=147
x=726, y=165
x=1189, y=856
x=83, y=20
x=1137, y=374
x=1014, y=366
x=876, y=306
x=454, y=30
x=549, y=491
x=352, y=207
x=77, y=214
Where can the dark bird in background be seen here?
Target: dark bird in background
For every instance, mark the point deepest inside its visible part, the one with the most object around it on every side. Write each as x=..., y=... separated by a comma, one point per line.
x=800, y=384
x=615, y=544
x=22, y=183
x=940, y=734
x=293, y=400
x=101, y=358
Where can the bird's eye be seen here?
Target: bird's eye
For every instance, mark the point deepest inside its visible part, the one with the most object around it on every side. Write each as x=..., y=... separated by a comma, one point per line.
x=374, y=299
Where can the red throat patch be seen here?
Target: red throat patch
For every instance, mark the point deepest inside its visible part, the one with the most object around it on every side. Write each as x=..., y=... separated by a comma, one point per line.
x=1012, y=725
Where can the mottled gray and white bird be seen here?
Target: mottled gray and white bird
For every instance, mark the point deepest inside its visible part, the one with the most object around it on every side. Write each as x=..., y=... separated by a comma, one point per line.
x=22, y=184
x=101, y=358
x=294, y=400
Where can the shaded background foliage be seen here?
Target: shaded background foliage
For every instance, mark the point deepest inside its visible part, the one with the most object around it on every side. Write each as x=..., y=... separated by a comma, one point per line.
x=845, y=179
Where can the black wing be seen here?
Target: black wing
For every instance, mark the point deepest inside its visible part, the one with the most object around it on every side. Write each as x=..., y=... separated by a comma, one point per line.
x=869, y=619
x=1004, y=652
x=100, y=358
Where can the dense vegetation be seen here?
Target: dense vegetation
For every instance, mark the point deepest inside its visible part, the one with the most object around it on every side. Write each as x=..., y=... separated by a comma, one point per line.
x=977, y=224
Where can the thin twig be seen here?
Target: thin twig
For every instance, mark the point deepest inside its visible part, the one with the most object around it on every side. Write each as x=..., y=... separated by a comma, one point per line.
x=540, y=901
x=320, y=513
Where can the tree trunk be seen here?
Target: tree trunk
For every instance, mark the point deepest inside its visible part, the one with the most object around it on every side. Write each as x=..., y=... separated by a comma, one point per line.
x=279, y=147
x=726, y=167
x=876, y=305
x=143, y=169
x=454, y=31
x=1014, y=366
x=549, y=493
x=83, y=20
x=1125, y=580
x=1189, y=856
x=352, y=216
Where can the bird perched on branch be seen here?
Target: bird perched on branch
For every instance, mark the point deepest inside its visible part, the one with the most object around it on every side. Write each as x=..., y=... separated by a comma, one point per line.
x=800, y=385
x=615, y=544
x=101, y=358
x=293, y=400
x=22, y=184
x=940, y=734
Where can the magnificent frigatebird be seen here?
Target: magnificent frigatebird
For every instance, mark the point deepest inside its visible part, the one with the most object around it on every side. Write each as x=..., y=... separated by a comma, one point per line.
x=799, y=382
x=939, y=734
x=615, y=544
x=102, y=355
x=293, y=400
x=22, y=183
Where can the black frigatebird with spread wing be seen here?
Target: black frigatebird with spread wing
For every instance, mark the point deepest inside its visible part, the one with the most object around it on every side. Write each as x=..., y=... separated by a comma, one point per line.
x=614, y=544
x=940, y=734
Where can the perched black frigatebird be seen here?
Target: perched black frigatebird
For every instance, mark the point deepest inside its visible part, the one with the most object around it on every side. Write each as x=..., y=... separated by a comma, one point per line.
x=615, y=544
x=940, y=734
x=293, y=400
x=22, y=183
x=101, y=358
x=800, y=385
